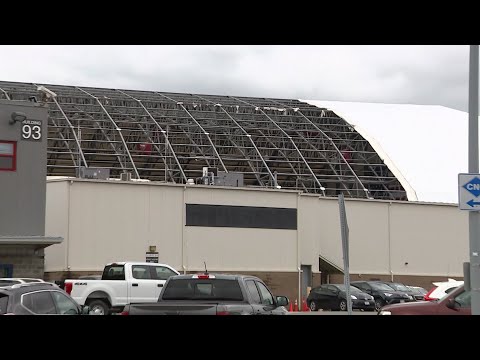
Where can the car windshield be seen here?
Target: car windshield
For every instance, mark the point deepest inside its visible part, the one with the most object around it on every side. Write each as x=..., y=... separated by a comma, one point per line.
x=352, y=288
x=381, y=287
x=399, y=287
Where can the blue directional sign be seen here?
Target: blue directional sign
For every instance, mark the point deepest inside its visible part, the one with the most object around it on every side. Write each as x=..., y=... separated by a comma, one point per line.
x=473, y=186
x=469, y=192
x=473, y=203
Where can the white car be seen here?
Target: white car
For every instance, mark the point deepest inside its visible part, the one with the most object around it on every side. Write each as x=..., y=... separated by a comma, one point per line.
x=442, y=288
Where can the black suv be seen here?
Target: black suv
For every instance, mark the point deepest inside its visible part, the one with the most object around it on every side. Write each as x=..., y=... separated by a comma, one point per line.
x=37, y=299
x=383, y=293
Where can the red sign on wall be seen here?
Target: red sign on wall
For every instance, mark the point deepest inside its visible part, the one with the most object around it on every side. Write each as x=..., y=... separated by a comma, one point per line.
x=8, y=155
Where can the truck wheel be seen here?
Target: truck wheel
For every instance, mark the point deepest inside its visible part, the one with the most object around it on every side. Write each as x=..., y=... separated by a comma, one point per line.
x=98, y=307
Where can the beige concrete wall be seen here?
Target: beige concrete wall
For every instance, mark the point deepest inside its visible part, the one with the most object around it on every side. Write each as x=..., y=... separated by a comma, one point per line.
x=311, y=230
x=368, y=225
x=240, y=197
x=241, y=249
x=368, y=233
x=321, y=225
x=118, y=222
x=56, y=224
x=238, y=249
x=432, y=239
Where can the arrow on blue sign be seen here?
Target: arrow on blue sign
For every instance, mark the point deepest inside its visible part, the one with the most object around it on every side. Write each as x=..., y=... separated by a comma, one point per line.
x=473, y=186
x=473, y=203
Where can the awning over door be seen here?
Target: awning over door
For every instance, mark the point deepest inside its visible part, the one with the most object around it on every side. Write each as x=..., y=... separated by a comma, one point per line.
x=329, y=267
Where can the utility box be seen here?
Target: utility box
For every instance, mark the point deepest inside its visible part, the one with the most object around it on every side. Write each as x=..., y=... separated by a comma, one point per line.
x=93, y=173
x=23, y=167
x=229, y=179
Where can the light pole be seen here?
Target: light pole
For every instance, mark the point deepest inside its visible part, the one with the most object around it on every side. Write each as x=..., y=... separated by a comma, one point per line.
x=474, y=216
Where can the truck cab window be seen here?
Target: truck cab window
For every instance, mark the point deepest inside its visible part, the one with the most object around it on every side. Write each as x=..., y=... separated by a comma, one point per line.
x=163, y=273
x=266, y=296
x=252, y=289
x=141, y=272
x=114, y=272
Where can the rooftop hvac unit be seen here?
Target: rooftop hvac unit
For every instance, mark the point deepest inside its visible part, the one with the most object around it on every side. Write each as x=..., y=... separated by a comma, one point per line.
x=229, y=179
x=93, y=173
x=208, y=171
x=126, y=176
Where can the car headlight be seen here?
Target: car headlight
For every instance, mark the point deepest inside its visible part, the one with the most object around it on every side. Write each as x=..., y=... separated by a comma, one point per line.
x=353, y=297
x=387, y=294
x=410, y=297
x=384, y=312
x=371, y=298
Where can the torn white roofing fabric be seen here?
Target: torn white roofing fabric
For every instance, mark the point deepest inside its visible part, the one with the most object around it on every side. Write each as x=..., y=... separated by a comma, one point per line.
x=424, y=146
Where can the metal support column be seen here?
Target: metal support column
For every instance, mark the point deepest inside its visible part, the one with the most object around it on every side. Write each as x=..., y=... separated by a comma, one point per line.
x=474, y=216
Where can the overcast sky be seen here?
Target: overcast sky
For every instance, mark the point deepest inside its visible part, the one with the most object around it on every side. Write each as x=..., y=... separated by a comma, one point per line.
x=430, y=75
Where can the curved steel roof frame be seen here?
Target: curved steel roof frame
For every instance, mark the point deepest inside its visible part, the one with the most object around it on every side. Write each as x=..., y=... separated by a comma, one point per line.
x=334, y=146
x=201, y=128
x=164, y=136
x=73, y=132
x=117, y=129
x=249, y=138
x=291, y=140
x=164, y=133
x=5, y=93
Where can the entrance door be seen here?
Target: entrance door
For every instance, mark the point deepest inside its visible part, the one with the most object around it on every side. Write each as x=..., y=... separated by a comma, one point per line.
x=6, y=270
x=306, y=279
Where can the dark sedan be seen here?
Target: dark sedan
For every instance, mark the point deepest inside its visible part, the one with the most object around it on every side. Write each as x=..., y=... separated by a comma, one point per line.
x=383, y=293
x=418, y=292
x=401, y=288
x=334, y=297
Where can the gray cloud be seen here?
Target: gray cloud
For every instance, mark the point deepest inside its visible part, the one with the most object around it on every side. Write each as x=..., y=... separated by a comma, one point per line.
x=436, y=75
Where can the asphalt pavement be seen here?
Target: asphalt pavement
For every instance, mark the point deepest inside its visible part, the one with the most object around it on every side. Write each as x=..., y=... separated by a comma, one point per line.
x=354, y=312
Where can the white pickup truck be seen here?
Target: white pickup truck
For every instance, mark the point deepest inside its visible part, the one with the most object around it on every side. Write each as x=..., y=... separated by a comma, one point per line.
x=122, y=283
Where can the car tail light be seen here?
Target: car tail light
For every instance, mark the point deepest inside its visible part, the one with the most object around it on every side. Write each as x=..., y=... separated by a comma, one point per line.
x=68, y=288
x=427, y=295
x=222, y=310
x=123, y=313
x=203, y=276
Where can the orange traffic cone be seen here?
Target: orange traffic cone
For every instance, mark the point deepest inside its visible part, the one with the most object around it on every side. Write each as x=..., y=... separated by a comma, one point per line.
x=295, y=307
x=290, y=309
x=304, y=306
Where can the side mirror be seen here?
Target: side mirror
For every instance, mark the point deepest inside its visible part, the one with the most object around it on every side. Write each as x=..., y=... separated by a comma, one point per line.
x=282, y=301
x=451, y=304
x=85, y=310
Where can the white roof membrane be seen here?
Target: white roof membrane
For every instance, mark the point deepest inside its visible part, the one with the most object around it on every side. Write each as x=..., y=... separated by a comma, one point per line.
x=425, y=146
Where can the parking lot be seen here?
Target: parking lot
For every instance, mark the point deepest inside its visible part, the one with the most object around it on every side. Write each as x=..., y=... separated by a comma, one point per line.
x=354, y=312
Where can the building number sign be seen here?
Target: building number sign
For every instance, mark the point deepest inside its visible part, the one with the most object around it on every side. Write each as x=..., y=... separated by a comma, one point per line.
x=31, y=130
